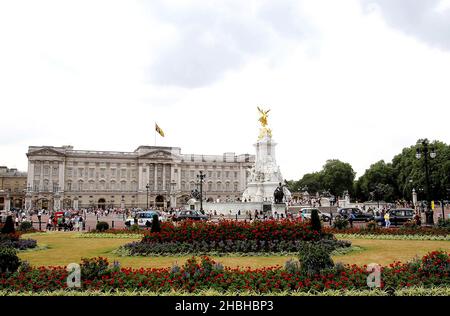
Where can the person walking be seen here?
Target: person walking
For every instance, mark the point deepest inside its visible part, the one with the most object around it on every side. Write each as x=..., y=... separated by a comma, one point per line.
x=386, y=220
x=351, y=219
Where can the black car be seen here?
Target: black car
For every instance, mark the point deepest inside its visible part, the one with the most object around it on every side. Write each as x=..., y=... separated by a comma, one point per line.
x=190, y=214
x=360, y=216
x=397, y=216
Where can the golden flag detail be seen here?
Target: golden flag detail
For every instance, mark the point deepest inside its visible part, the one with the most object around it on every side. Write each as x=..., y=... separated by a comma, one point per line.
x=159, y=130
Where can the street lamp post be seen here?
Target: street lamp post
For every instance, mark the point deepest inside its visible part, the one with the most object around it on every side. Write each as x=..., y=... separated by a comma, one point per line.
x=200, y=177
x=425, y=151
x=148, y=188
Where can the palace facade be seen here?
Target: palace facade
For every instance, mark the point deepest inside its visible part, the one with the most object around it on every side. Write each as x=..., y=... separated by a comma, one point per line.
x=12, y=188
x=64, y=178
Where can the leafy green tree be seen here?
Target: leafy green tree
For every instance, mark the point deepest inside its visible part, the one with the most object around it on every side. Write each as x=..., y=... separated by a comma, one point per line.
x=337, y=176
x=312, y=182
x=410, y=171
x=377, y=183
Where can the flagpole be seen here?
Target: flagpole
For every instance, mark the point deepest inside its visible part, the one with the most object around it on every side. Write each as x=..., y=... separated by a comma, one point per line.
x=155, y=134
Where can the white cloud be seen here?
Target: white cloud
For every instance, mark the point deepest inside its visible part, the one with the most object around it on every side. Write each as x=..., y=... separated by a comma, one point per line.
x=340, y=80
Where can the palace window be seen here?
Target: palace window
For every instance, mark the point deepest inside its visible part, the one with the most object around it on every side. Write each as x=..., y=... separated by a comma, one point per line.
x=46, y=170
x=69, y=186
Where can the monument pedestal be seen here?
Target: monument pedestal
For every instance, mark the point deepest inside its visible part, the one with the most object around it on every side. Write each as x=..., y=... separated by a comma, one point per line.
x=265, y=175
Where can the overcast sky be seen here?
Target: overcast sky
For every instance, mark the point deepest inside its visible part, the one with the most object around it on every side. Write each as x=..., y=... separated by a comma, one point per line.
x=354, y=80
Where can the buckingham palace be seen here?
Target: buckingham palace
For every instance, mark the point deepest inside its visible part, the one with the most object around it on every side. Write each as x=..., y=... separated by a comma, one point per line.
x=64, y=178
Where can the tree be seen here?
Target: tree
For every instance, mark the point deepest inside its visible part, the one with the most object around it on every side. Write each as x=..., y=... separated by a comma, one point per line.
x=378, y=182
x=156, y=228
x=409, y=172
x=312, y=182
x=8, y=228
x=315, y=221
x=337, y=176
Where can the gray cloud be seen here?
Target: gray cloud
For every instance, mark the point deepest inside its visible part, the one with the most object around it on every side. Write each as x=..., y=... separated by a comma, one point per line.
x=418, y=18
x=214, y=39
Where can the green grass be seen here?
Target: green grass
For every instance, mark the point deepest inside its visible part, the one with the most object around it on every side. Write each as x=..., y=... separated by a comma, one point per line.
x=65, y=247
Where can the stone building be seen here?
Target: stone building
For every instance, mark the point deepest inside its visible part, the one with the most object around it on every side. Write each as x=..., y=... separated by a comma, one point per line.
x=61, y=177
x=13, y=184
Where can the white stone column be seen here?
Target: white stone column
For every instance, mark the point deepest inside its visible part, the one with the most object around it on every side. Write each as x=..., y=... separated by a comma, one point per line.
x=155, y=169
x=141, y=178
x=75, y=203
x=28, y=201
x=164, y=176
x=30, y=174
x=179, y=178
x=7, y=203
x=61, y=170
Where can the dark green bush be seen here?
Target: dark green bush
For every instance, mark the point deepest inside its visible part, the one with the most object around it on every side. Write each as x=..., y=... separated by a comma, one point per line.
x=315, y=220
x=8, y=228
x=135, y=228
x=93, y=268
x=102, y=226
x=292, y=266
x=156, y=228
x=9, y=261
x=443, y=223
x=340, y=222
x=24, y=226
x=314, y=257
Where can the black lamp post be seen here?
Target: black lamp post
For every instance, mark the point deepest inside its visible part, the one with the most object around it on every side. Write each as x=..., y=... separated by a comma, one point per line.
x=425, y=151
x=200, y=177
x=148, y=188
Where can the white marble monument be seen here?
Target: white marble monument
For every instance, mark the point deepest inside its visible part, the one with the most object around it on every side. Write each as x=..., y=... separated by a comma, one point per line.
x=265, y=175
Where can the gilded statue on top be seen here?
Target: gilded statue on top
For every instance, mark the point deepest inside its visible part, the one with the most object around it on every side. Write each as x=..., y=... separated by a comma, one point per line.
x=264, y=130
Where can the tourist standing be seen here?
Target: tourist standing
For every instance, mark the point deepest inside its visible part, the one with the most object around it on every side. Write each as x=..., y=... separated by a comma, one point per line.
x=387, y=220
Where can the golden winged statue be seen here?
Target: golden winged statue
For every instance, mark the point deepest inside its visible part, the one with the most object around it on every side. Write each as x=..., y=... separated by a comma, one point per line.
x=263, y=120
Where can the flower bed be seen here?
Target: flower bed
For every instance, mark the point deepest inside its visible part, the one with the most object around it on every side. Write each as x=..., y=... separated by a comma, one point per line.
x=407, y=291
x=14, y=241
x=190, y=231
x=249, y=247
x=432, y=270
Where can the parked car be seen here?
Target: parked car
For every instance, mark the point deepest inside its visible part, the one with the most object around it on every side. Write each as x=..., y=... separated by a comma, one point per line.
x=307, y=214
x=190, y=214
x=397, y=216
x=144, y=217
x=360, y=216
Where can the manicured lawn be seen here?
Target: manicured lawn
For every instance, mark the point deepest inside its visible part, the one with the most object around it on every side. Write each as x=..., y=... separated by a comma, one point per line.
x=64, y=248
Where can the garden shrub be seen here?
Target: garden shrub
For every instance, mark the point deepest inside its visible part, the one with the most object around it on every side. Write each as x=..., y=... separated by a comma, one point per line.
x=371, y=225
x=315, y=221
x=443, y=223
x=435, y=262
x=156, y=228
x=222, y=247
x=25, y=226
x=292, y=266
x=8, y=228
x=135, y=228
x=93, y=268
x=9, y=261
x=340, y=223
x=314, y=257
x=102, y=226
